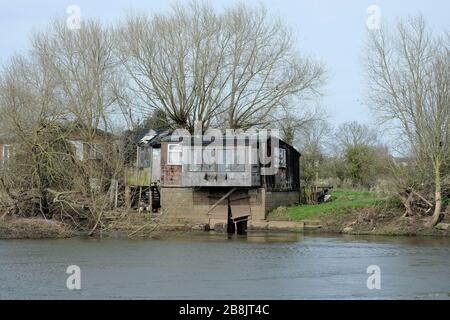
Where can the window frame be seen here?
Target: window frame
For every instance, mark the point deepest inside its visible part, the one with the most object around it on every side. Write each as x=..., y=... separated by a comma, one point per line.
x=78, y=149
x=96, y=150
x=144, y=154
x=202, y=166
x=235, y=166
x=180, y=151
x=280, y=161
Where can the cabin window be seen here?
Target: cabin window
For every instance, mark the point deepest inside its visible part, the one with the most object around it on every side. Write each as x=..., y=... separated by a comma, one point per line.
x=96, y=151
x=202, y=160
x=174, y=154
x=232, y=159
x=209, y=159
x=240, y=159
x=196, y=160
x=6, y=153
x=144, y=159
x=280, y=157
x=78, y=149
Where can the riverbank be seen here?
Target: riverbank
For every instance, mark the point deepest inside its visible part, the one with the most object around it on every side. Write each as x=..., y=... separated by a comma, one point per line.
x=33, y=228
x=349, y=212
x=353, y=223
x=133, y=225
x=363, y=213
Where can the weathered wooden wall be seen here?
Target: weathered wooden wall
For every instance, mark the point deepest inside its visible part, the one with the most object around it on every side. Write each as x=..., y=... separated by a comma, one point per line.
x=285, y=179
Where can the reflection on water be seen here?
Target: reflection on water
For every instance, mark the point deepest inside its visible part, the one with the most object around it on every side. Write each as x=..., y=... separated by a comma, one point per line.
x=219, y=266
x=263, y=237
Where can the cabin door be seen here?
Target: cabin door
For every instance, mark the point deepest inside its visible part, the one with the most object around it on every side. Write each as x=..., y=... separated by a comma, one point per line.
x=156, y=165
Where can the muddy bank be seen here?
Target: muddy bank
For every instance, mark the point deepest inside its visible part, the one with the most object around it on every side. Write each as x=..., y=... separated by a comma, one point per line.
x=366, y=221
x=375, y=221
x=21, y=228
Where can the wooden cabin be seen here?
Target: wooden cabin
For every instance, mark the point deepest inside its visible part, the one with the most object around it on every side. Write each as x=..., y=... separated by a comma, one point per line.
x=202, y=182
x=143, y=168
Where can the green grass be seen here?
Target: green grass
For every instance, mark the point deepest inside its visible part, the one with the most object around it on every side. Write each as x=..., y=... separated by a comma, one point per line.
x=341, y=202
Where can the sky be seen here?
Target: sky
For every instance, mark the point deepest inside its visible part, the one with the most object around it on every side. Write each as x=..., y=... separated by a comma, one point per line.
x=331, y=31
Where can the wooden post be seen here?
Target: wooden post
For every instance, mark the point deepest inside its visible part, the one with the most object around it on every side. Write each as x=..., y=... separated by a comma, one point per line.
x=116, y=196
x=139, y=199
x=299, y=181
x=231, y=228
x=127, y=196
x=150, y=198
x=317, y=172
x=221, y=199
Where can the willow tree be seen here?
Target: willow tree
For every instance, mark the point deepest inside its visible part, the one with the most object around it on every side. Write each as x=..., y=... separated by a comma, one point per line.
x=232, y=68
x=83, y=64
x=409, y=74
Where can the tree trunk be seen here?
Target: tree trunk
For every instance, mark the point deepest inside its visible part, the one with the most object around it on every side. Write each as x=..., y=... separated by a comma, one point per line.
x=437, y=197
x=408, y=205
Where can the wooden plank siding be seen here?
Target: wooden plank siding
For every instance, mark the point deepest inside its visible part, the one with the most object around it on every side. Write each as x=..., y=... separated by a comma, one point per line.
x=287, y=178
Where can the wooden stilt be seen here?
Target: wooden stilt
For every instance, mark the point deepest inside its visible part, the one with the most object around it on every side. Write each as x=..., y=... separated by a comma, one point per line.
x=127, y=197
x=139, y=199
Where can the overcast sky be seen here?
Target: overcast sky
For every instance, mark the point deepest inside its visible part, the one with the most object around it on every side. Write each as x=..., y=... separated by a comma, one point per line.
x=332, y=31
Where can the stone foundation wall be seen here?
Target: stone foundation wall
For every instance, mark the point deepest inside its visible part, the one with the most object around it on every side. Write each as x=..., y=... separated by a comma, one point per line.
x=192, y=205
x=274, y=199
x=178, y=204
x=257, y=201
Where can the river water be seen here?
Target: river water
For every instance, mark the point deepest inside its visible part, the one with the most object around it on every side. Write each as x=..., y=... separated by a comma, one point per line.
x=216, y=266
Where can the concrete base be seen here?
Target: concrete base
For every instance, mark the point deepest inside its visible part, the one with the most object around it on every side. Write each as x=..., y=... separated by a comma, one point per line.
x=277, y=226
x=192, y=205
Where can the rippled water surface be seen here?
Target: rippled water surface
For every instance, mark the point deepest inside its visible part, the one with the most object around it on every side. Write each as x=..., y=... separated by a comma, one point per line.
x=215, y=266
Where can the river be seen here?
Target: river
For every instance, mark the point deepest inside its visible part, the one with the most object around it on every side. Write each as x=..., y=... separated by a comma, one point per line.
x=216, y=266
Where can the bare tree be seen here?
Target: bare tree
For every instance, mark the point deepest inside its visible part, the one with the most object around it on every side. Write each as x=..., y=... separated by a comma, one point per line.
x=83, y=64
x=174, y=62
x=353, y=134
x=313, y=141
x=295, y=124
x=234, y=69
x=266, y=70
x=409, y=80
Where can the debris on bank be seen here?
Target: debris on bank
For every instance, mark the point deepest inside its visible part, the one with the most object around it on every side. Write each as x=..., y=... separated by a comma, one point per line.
x=33, y=228
x=377, y=221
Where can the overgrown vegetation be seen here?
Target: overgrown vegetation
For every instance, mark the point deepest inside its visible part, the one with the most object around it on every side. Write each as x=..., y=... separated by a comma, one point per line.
x=408, y=72
x=358, y=212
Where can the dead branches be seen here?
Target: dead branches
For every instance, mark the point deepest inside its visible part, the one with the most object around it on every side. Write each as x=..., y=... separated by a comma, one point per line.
x=415, y=203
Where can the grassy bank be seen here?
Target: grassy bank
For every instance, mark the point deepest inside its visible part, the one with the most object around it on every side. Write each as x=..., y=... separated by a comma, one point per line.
x=357, y=212
x=342, y=202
